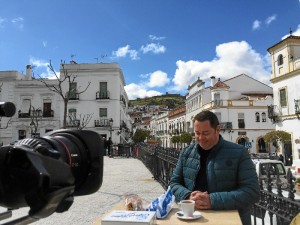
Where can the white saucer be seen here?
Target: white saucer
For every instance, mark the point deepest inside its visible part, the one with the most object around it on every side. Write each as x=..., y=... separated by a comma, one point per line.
x=196, y=215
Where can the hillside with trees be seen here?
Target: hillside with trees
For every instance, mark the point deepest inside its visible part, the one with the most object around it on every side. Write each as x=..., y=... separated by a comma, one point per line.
x=170, y=100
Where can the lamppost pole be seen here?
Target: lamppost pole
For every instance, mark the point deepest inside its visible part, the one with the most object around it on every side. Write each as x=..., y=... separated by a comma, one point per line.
x=110, y=152
x=111, y=121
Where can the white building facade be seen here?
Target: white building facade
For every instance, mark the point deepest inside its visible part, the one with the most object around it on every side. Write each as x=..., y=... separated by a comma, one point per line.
x=285, y=112
x=160, y=132
x=241, y=104
x=105, y=101
x=37, y=108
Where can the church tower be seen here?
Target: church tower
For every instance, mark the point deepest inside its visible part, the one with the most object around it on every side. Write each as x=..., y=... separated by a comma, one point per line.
x=285, y=112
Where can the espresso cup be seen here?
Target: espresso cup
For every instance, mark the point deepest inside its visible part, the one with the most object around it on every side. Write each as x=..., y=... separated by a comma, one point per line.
x=187, y=207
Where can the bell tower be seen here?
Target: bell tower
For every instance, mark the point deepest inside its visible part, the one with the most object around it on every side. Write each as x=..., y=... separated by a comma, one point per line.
x=285, y=56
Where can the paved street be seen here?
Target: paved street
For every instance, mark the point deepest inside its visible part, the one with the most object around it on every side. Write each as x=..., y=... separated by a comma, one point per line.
x=121, y=176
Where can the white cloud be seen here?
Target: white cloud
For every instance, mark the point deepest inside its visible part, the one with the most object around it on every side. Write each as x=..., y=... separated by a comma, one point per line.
x=41, y=68
x=270, y=19
x=18, y=21
x=158, y=79
x=2, y=21
x=256, y=25
x=145, y=76
x=155, y=38
x=295, y=33
x=124, y=51
x=232, y=59
x=139, y=91
x=156, y=48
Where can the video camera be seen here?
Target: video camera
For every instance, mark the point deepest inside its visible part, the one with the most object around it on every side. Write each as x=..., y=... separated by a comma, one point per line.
x=45, y=173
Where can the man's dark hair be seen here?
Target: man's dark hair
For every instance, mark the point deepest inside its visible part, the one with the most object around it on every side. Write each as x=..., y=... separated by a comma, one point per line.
x=207, y=115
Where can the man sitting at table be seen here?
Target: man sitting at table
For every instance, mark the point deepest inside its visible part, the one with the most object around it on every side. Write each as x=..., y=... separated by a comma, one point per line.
x=215, y=173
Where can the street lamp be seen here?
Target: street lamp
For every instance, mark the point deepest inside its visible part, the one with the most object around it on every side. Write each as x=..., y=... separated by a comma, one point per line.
x=111, y=121
x=110, y=151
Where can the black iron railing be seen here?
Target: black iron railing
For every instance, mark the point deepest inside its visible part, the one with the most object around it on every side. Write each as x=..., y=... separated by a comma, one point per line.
x=297, y=106
x=102, y=95
x=279, y=204
x=73, y=123
x=226, y=126
x=49, y=113
x=273, y=113
x=102, y=123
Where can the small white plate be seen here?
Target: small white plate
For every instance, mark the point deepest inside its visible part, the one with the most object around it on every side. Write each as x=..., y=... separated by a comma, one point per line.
x=196, y=215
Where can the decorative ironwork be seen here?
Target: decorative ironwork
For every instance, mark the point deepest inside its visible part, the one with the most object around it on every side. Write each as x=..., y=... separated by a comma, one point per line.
x=226, y=126
x=297, y=108
x=122, y=99
x=23, y=115
x=123, y=125
x=217, y=103
x=73, y=96
x=49, y=113
x=280, y=206
x=273, y=115
x=102, y=123
x=103, y=95
x=73, y=123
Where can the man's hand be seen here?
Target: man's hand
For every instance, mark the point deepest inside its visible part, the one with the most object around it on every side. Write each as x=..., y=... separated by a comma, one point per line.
x=202, y=199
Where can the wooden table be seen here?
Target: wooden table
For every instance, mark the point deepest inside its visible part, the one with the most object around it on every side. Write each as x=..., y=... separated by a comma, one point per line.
x=209, y=217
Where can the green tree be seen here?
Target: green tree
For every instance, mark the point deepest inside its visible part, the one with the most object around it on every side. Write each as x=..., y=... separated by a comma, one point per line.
x=186, y=138
x=140, y=135
x=175, y=139
x=276, y=137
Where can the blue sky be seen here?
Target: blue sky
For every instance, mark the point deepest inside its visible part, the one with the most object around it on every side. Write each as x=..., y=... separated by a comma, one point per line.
x=161, y=45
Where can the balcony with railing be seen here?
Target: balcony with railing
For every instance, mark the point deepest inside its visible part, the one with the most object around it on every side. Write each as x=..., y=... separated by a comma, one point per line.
x=226, y=126
x=122, y=99
x=73, y=123
x=297, y=106
x=123, y=125
x=35, y=113
x=102, y=95
x=23, y=114
x=217, y=103
x=102, y=123
x=73, y=96
x=49, y=113
x=274, y=113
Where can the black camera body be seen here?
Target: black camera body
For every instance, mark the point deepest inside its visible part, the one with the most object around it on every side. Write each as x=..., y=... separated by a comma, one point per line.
x=45, y=173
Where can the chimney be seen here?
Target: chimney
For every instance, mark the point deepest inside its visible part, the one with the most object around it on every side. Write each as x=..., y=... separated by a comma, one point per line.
x=28, y=72
x=212, y=80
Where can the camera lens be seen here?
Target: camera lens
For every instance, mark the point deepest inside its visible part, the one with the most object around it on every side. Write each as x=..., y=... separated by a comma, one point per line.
x=65, y=147
x=45, y=173
x=81, y=150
